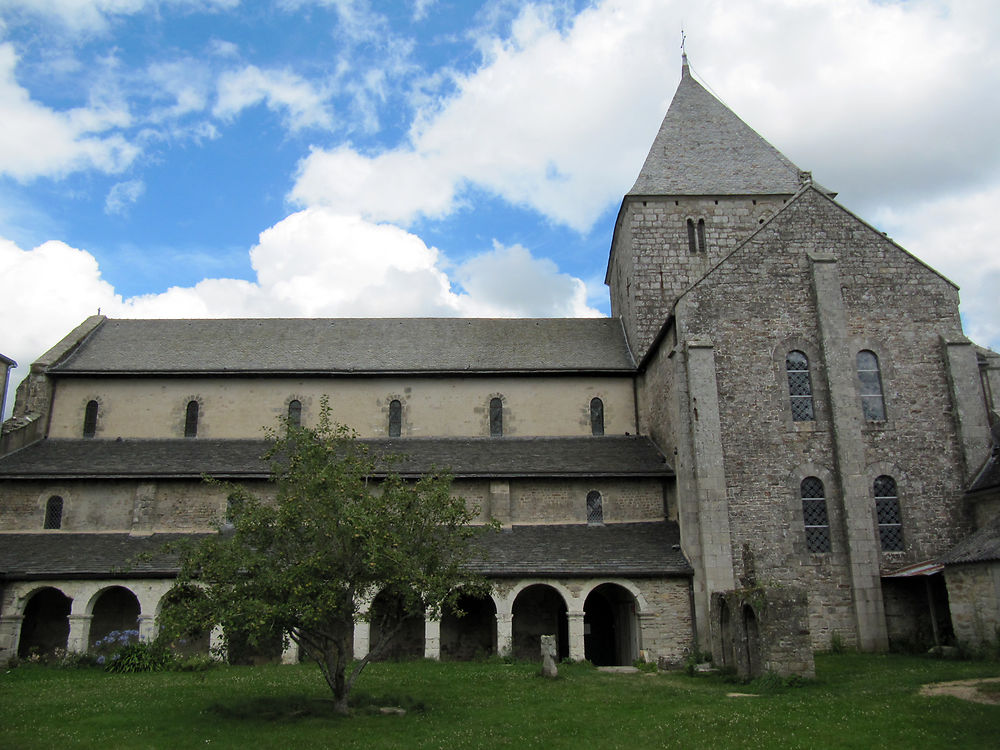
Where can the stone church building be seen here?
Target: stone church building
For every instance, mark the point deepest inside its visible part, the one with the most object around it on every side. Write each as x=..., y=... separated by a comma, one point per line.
x=782, y=401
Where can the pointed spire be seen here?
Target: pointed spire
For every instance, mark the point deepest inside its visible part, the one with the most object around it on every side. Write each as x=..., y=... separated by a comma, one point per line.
x=685, y=71
x=703, y=148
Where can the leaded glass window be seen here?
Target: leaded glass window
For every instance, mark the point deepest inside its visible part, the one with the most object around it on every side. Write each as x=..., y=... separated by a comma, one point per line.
x=90, y=419
x=890, y=520
x=814, y=515
x=295, y=413
x=596, y=416
x=191, y=420
x=53, y=513
x=395, y=418
x=800, y=392
x=496, y=417
x=701, y=235
x=595, y=507
x=870, y=377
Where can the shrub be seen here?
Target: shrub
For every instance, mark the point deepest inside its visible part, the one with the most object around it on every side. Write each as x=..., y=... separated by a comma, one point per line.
x=141, y=656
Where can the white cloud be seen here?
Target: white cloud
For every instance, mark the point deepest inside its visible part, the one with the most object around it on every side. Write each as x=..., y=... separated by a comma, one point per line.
x=280, y=90
x=313, y=263
x=122, y=195
x=37, y=141
x=93, y=16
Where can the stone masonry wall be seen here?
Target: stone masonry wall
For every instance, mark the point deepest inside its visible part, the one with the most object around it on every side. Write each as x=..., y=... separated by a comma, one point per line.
x=651, y=261
x=756, y=307
x=974, y=600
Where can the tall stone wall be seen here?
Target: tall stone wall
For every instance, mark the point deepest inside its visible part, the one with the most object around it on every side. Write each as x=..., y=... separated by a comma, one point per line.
x=760, y=304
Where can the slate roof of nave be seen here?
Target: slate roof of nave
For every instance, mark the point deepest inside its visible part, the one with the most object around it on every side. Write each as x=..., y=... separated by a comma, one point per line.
x=192, y=458
x=632, y=549
x=704, y=148
x=980, y=546
x=350, y=346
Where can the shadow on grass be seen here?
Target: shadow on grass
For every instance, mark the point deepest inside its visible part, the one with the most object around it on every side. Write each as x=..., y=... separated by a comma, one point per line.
x=296, y=707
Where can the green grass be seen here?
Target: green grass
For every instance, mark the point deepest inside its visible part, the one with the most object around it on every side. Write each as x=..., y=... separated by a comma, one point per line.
x=857, y=701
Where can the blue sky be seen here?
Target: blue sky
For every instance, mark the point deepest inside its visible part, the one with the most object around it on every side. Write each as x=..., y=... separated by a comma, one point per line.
x=436, y=157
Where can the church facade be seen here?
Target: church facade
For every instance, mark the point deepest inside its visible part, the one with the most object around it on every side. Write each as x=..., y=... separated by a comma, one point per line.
x=782, y=398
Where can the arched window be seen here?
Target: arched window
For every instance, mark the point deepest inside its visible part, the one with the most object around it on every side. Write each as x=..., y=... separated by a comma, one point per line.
x=890, y=520
x=90, y=420
x=596, y=416
x=800, y=392
x=692, y=242
x=191, y=420
x=595, y=507
x=701, y=235
x=814, y=515
x=53, y=513
x=872, y=403
x=295, y=413
x=395, y=418
x=496, y=417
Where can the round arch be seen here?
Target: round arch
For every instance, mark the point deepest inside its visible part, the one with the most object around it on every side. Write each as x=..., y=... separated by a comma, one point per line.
x=473, y=635
x=610, y=626
x=538, y=609
x=387, y=609
x=45, y=623
x=113, y=608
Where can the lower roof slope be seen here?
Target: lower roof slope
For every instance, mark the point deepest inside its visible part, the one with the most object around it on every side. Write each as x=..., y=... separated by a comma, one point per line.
x=192, y=458
x=633, y=549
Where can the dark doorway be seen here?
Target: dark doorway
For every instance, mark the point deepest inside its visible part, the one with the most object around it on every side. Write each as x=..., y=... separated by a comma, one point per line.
x=388, y=609
x=115, y=609
x=472, y=636
x=751, y=642
x=609, y=626
x=45, y=626
x=539, y=610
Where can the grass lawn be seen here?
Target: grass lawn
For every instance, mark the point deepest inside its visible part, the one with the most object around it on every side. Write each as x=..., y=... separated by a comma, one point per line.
x=856, y=701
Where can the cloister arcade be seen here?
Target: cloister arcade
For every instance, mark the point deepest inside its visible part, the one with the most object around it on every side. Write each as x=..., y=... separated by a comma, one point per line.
x=594, y=619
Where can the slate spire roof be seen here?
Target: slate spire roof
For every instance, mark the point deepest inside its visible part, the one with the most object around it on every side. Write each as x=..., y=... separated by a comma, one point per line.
x=703, y=148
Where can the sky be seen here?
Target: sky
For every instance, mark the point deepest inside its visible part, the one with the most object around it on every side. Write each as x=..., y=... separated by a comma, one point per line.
x=315, y=158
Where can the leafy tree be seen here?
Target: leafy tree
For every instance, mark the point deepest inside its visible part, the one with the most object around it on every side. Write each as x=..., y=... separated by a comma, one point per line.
x=302, y=562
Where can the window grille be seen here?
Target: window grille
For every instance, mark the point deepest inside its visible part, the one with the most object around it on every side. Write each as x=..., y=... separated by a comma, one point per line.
x=395, y=418
x=595, y=507
x=90, y=419
x=295, y=413
x=870, y=378
x=191, y=420
x=496, y=417
x=890, y=520
x=814, y=516
x=53, y=513
x=800, y=392
x=596, y=416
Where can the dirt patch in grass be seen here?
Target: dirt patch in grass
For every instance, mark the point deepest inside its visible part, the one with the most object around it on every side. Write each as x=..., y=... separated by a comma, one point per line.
x=977, y=691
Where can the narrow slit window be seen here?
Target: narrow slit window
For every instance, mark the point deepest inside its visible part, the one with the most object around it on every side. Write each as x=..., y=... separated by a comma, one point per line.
x=191, y=420
x=90, y=419
x=596, y=416
x=870, y=378
x=53, y=513
x=395, y=418
x=595, y=507
x=890, y=520
x=496, y=417
x=701, y=235
x=692, y=242
x=295, y=413
x=800, y=392
x=814, y=516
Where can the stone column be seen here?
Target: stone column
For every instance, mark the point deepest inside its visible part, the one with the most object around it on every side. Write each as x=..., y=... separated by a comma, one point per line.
x=147, y=628
x=79, y=633
x=362, y=638
x=968, y=402
x=432, y=638
x=574, y=620
x=215, y=644
x=10, y=636
x=714, y=539
x=290, y=654
x=863, y=547
x=505, y=633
